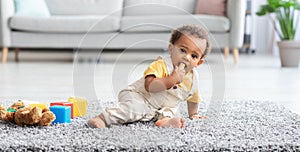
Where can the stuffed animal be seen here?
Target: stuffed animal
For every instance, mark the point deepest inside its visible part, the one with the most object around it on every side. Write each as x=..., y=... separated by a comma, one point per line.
x=8, y=115
x=23, y=116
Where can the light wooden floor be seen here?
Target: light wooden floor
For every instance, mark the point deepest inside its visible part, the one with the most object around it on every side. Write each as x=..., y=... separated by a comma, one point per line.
x=256, y=77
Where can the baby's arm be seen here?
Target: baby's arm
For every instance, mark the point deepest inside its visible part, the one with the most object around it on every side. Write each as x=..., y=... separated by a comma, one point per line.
x=154, y=84
x=193, y=110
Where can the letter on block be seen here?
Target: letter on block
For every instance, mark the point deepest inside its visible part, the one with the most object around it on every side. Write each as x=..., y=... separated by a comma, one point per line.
x=64, y=104
x=62, y=113
x=80, y=106
x=40, y=105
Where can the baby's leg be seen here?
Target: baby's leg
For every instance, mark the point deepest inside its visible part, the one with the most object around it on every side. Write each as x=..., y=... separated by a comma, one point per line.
x=97, y=122
x=170, y=122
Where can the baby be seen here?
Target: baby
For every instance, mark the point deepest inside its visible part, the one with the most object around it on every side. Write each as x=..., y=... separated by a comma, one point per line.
x=166, y=82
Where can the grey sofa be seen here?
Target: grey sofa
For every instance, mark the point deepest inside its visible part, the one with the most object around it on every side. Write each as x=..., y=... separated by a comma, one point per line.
x=116, y=24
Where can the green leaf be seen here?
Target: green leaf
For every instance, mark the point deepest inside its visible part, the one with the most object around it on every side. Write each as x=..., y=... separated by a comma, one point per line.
x=285, y=11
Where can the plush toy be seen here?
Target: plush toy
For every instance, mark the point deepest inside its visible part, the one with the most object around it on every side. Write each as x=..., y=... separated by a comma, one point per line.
x=22, y=116
x=8, y=115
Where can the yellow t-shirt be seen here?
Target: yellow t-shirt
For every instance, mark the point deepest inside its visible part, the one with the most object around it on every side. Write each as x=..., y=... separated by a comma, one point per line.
x=159, y=69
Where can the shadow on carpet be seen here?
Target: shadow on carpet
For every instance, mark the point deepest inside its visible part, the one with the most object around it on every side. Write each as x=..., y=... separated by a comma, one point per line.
x=240, y=126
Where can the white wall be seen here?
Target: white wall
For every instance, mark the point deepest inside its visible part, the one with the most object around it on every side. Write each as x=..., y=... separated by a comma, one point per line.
x=298, y=28
x=260, y=24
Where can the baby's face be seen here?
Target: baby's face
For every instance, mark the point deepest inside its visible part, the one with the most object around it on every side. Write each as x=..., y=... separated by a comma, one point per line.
x=188, y=50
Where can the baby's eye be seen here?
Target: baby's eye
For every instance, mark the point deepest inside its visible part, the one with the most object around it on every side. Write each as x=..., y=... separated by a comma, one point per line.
x=182, y=50
x=194, y=56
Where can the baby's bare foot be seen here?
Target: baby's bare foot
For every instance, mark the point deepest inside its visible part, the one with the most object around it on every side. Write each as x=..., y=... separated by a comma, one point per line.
x=97, y=122
x=170, y=122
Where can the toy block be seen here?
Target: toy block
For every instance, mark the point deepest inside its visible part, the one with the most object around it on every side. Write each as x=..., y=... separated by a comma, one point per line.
x=70, y=104
x=62, y=113
x=40, y=105
x=79, y=105
x=53, y=103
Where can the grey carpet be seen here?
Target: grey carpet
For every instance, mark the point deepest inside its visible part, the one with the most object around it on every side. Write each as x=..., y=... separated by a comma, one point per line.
x=241, y=126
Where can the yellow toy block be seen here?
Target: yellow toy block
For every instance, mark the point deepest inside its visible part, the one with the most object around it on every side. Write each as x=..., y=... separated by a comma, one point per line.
x=79, y=105
x=40, y=105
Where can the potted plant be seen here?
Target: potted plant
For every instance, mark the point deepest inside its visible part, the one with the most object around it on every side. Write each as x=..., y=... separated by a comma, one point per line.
x=285, y=19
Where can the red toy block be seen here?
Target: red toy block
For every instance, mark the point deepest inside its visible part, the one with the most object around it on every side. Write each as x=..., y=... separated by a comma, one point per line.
x=64, y=104
x=56, y=103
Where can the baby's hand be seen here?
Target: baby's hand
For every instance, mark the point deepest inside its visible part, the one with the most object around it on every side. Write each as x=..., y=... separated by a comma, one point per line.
x=196, y=116
x=178, y=73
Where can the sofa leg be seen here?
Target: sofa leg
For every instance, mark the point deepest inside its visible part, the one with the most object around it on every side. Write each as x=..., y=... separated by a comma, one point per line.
x=17, y=50
x=4, y=54
x=226, y=52
x=235, y=52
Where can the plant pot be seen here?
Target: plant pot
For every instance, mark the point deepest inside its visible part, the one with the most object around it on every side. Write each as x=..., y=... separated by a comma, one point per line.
x=289, y=53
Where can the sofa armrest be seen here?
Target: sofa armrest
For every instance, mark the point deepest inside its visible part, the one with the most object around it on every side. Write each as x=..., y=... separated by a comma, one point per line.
x=7, y=9
x=236, y=10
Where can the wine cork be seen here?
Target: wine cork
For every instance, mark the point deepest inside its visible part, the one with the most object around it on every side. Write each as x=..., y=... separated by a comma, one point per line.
x=181, y=66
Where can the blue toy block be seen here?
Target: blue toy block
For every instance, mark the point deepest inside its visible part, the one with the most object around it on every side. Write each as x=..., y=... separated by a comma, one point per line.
x=62, y=113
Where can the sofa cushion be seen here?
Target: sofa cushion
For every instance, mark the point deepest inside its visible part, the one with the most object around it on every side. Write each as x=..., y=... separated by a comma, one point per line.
x=168, y=22
x=66, y=24
x=85, y=7
x=211, y=7
x=157, y=7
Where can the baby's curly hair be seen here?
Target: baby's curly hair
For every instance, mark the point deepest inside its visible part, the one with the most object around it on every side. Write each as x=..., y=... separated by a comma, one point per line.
x=193, y=30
